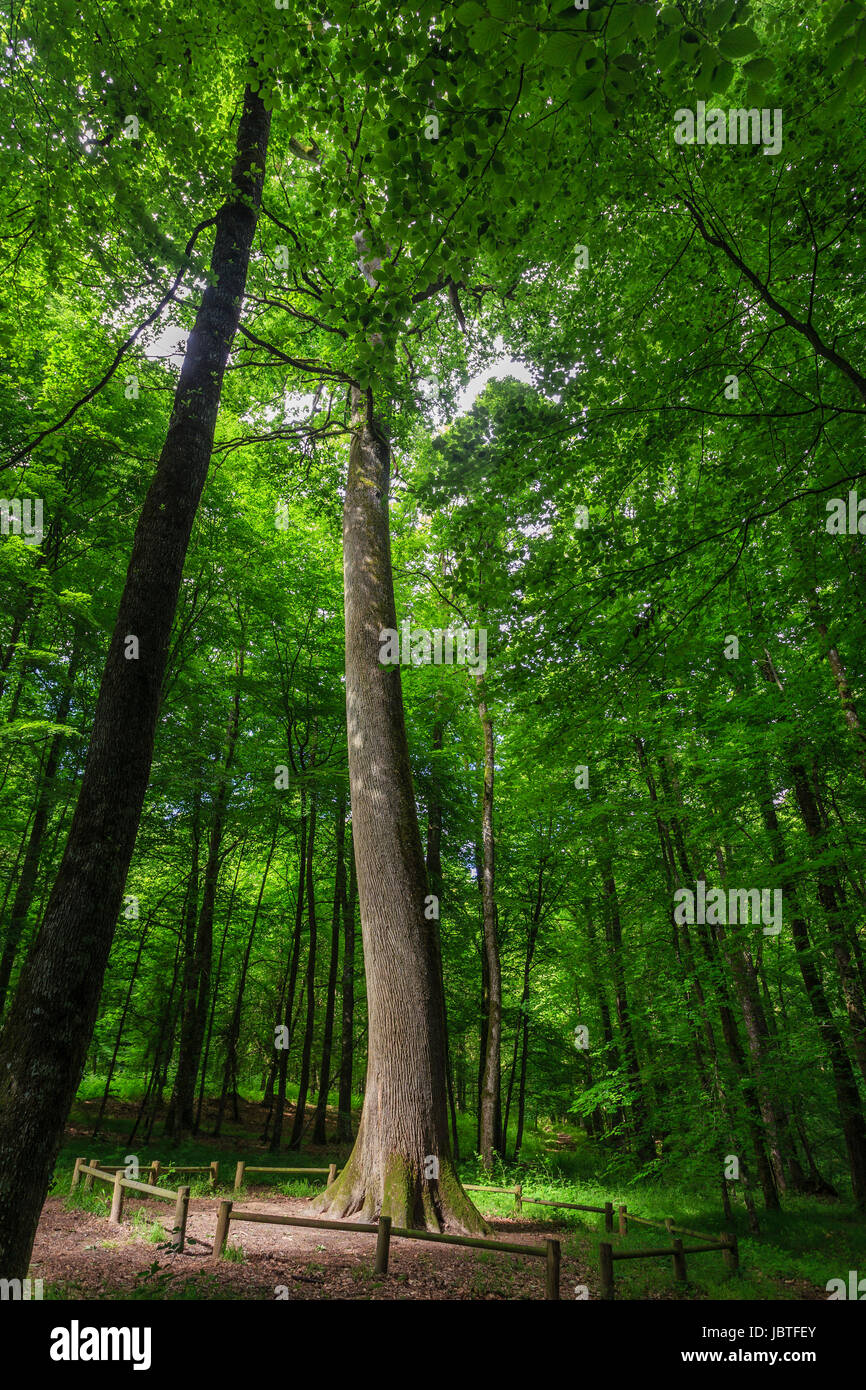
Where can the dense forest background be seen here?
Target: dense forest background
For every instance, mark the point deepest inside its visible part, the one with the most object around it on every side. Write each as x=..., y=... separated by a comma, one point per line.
x=639, y=503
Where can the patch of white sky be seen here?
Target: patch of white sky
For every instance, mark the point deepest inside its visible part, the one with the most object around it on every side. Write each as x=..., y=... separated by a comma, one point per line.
x=168, y=345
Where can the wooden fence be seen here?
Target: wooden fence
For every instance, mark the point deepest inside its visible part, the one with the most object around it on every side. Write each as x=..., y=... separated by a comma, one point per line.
x=726, y=1242
x=156, y=1167
x=121, y=1184
x=384, y=1231
x=244, y=1168
x=519, y=1201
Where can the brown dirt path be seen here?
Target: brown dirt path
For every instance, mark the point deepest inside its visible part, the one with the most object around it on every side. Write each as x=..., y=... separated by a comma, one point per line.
x=91, y=1259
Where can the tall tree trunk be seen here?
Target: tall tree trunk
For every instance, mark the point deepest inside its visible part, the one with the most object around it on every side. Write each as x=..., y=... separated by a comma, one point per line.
x=718, y=983
x=844, y=1080
x=40, y=1068
x=344, y=1113
x=214, y=993
x=283, y=1065
x=403, y=1132
x=827, y=887
x=27, y=881
x=197, y=995
x=490, y=1115
x=319, y=1130
x=644, y=1148
x=230, y=1068
x=434, y=880
x=304, y=1081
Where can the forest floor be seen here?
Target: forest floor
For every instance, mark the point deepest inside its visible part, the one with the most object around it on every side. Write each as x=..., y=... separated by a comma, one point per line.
x=80, y=1256
x=83, y=1257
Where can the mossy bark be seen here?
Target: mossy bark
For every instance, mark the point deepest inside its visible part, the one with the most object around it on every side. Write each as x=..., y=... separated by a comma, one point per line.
x=401, y=1164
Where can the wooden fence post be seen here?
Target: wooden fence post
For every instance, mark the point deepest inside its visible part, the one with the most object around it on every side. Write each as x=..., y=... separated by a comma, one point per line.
x=116, y=1213
x=608, y=1216
x=154, y=1173
x=623, y=1221
x=383, y=1242
x=88, y=1178
x=605, y=1251
x=553, y=1256
x=730, y=1251
x=181, y=1212
x=224, y=1216
x=332, y=1174
x=239, y=1176
x=679, y=1262
x=76, y=1174
x=214, y=1173
x=518, y=1199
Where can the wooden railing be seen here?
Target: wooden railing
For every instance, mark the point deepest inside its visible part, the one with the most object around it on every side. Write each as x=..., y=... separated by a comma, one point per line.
x=121, y=1184
x=384, y=1231
x=244, y=1168
x=726, y=1242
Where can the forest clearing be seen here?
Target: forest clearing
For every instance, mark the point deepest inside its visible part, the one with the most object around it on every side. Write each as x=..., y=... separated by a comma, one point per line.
x=432, y=743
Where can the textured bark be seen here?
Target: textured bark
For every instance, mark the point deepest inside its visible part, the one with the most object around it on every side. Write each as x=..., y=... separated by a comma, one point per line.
x=40, y=1067
x=404, y=1120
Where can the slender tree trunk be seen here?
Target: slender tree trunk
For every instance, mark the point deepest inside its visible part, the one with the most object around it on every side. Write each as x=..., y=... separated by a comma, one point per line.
x=844, y=1080
x=40, y=1068
x=283, y=1068
x=644, y=1148
x=435, y=881
x=27, y=881
x=401, y=1164
x=319, y=1129
x=197, y=1000
x=304, y=1081
x=344, y=1113
x=231, y=1068
x=490, y=1116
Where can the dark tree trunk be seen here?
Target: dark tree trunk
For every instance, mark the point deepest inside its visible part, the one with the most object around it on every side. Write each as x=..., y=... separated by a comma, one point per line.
x=40, y=1068
x=26, y=885
x=434, y=880
x=490, y=1117
x=230, y=1069
x=344, y=1113
x=319, y=1130
x=306, y=1054
x=283, y=1065
x=403, y=1133
x=844, y=1080
x=644, y=1148
x=197, y=999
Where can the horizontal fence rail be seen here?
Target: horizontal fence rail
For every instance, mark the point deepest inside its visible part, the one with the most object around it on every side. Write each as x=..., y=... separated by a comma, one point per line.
x=244, y=1168
x=120, y=1184
x=726, y=1244
x=383, y=1230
